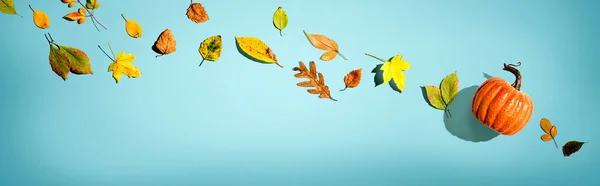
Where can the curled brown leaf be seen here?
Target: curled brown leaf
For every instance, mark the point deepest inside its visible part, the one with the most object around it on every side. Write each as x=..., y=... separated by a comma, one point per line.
x=165, y=43
x=316, y=80
x=352, y=79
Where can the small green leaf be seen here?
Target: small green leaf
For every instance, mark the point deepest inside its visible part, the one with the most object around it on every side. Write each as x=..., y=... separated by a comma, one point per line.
x=434, y=97
x=449, y=88
x=8, y=7
x=280, y=20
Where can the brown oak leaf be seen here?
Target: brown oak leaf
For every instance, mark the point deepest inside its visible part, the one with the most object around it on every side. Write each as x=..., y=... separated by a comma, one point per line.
x=196, y=13
x=316, y=80
x=352, y=79
x=165, y=44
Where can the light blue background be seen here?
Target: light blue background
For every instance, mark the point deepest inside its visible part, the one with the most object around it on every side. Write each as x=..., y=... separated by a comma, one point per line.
x=237, y=122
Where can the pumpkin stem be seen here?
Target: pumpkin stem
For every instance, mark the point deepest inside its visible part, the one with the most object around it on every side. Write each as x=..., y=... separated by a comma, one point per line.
x=511, y=68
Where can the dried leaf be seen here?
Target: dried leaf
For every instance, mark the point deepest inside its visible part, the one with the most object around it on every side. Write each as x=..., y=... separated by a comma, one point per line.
x=196, y=13
x=328, y=56
x=280, y=20
x=65, y=59
x=257, y=49
x=324, y=43
x=571, y=147
x=71, y=4
x=550, y=131
x=73, y=16
x=316, y=80
x=40, y=19
x=123, y=65
x=210, y=49
x=8, y=7
x=132, y=28
x=449, y=88
x=165, y=43
x=92, y=4
x=352, y=79
x=434, y=97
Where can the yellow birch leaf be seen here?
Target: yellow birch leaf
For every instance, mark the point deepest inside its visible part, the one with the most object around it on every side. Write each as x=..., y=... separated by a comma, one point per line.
x=256, y=49
x=280, y=20
x=132, y=28
x=40, y=19
x=210, y=49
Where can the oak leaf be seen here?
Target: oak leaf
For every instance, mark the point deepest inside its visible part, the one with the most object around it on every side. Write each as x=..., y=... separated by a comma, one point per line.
x=8, y=7
x=256, y=49
x=324, y=43
x=65, y=59
x=210, y=49
x=132, y=28
x=316, y=80
x=549, y=130
x=40, y=19
x=280, y=20
x=352, y=79
x=572, y=147
x=196, y=13
x=165, y=43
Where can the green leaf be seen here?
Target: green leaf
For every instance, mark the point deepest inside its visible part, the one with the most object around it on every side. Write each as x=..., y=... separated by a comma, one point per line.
x=449, y=88
x=280, y=20
x=65, y=59
x=8, y=7
x=434, y=97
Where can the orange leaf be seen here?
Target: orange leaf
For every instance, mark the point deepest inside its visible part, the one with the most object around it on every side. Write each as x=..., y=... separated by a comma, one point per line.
x=352, y=79
x=196, y=13
x=73, y=16
x=328, y=56
x=324, y=43
x=165, y=44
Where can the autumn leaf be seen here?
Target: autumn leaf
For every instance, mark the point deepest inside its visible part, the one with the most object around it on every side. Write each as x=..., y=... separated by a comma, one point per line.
x=393, y=69
x=352, y=79
x=196, y=13
x=257, y=49
x=165, y=43
x=40, y=19
x=572, y=147
x=280, y=20
x=132, y=28
x=78, y=16
x=434, y=97
x=92, y=4
x=449, y=88
x=8, y=7
x=316, y=80
x=65, y=59
x=324, y=43
x=549, y=130
x=122, y=64
x=210, y=49
x=71, y=4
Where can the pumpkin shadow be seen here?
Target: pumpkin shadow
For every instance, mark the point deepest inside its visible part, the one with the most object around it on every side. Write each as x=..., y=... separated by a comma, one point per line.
x=462, y=123
x=246, y=55
x=379, y=78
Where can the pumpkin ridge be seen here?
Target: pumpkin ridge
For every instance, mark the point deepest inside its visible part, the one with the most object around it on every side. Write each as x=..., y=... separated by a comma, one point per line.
x=509, y=111
x=519, y=113
x=485, y=104
x=481, y=94
x=494, y=106
x=529, y=108
x=494, y=122
x=475, y=96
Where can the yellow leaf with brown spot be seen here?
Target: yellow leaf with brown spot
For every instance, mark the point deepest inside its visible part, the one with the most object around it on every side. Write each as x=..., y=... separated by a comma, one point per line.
x=256, y=49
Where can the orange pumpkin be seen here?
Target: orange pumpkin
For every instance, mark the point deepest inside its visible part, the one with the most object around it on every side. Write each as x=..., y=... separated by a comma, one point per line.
x=503, y=106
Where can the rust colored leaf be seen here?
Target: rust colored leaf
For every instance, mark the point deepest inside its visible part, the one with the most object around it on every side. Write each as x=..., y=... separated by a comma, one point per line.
x=352, y=79
x=73, y=16
x=316, y=80
x=196, y=13
x=165, y=44
x=571, y=147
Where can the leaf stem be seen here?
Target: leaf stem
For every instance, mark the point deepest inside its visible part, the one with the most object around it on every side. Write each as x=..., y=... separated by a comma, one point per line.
x=123, y=17
x=111, y=51
x=338, y=52
x=554, y=142
x=31, y=8
x=344, y=88
x=374, y=57
x=51, y=41
x=278, y=64
x=201, y=62
x=332, y=99
x=105, y=53
x=280, y=33
x=91, y=14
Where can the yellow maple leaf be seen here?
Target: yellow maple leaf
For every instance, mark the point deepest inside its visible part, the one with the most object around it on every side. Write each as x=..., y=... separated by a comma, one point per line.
x=123, y=65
